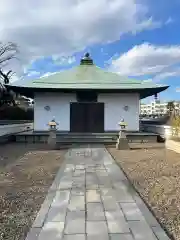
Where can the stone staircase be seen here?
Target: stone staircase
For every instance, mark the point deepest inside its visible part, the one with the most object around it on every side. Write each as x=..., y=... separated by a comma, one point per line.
x=71, y=138
x=87, y=138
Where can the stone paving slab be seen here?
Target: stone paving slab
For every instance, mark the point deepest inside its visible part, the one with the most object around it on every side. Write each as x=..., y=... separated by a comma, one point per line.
x=75, y=222
x=121, y=236
x=91, y=198
x=52, y=230
x=95, y=215
x=56, y=214
x=33, y=233
x=141, y=230
x=131, y=211
x=75, y=237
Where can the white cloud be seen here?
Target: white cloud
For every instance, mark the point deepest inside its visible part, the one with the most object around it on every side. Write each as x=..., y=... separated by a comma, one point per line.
x=174, y=72
x=44, y=28
x=146, y=59
x=178, y=89
x=14, y=78
x=63, y=60
x=147, y=25
x=169, y=20
x=57, y=59
x=32, y=73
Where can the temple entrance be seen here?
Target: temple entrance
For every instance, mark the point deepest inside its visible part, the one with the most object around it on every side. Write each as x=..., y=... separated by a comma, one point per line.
x=87, y=117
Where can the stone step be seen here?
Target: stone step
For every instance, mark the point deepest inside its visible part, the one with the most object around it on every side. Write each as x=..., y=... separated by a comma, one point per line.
x=85, y=137
x=93, y=140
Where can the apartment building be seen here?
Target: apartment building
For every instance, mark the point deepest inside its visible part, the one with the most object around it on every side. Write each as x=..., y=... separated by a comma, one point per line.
x=157, y=108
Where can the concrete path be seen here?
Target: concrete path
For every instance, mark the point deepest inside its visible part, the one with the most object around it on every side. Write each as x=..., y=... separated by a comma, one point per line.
x=172, y=145
x=92, y=199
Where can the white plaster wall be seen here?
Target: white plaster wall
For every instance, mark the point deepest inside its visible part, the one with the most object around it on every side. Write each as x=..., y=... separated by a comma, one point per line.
x=114, y=110
x=59, y=108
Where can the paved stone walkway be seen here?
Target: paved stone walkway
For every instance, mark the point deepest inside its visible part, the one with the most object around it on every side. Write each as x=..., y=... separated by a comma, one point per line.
x=92, y=199
x=172, y=145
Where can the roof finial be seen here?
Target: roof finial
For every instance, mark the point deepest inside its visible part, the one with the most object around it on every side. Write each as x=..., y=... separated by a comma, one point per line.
x=86, y=60
x=87, y=55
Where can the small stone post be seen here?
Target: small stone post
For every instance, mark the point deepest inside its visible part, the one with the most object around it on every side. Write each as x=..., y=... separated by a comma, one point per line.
x=122, y=141
x=52, y=134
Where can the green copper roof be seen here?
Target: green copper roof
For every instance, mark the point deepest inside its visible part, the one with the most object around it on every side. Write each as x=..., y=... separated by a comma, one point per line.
x=87, y=76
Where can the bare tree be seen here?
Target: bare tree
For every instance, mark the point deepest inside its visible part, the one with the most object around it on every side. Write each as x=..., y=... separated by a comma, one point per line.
x=6, y=76
x=8, y=52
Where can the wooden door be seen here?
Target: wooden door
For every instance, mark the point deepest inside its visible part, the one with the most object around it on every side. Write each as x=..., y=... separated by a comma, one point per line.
x=87, y=117
x=77, y=116
x=95, y=118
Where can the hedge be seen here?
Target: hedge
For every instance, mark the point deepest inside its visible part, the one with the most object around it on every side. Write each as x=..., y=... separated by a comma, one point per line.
x=16, y=113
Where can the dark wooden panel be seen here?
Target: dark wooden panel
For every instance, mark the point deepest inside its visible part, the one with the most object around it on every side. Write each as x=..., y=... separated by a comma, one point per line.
x=87, y=117
x=77, y=116
x=95, y=118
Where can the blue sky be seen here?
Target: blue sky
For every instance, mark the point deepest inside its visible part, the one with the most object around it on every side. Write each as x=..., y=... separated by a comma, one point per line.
x=134, y=38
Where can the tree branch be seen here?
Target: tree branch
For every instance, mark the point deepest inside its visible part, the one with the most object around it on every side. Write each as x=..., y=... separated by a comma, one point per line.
x=5, y=77
x=7, y=52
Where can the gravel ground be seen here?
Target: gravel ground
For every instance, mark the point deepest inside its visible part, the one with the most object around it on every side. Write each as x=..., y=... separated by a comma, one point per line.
x=26, y=173
x=155, y=173
x=177, y=139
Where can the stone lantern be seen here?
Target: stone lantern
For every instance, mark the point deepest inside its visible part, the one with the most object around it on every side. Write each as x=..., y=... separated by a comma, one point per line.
x=52, y=125
x=52, y=133
x=122, y=141
x=122, y=125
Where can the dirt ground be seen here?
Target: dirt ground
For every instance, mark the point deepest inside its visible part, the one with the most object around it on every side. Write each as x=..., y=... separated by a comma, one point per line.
x=26, y=173
x=155, y=173
x=176, y=139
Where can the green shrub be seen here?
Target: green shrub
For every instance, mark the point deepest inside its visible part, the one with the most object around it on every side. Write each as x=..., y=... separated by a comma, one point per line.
x=16, y=113
x=176, y=126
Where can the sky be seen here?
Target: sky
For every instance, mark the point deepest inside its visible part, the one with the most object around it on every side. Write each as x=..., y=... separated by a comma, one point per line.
x=135, y=38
